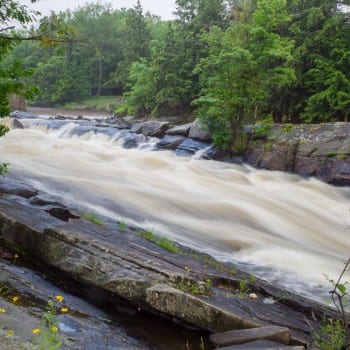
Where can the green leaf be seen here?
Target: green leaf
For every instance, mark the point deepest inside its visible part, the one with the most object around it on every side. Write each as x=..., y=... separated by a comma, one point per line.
x=341, y=288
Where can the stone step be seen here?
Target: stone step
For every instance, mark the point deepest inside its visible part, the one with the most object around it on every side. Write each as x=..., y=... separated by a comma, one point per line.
x=262, y=345
x=235, y=337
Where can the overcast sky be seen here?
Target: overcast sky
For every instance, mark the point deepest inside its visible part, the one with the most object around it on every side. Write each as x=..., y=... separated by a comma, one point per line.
x=163, y=8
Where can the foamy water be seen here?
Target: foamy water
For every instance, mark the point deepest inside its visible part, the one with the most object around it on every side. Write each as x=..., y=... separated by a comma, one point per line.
x=280, y=226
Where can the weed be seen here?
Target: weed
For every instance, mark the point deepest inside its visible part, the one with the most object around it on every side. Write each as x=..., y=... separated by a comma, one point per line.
x=243, y=288
x=287, y=127
x=48, y=331
x=91, y=216
x=162, y=242
x=167, y=244
x=122, y=226
x=333, y=335
x=198, y=288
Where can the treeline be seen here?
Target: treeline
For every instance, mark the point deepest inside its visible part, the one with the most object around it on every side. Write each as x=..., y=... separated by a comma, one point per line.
x=231, y=62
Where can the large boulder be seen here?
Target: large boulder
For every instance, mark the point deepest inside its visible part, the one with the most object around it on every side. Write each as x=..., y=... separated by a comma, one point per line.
x=170, y=142
x=181, y=130
x=197, y=131
x=155, y=128
x=136, y=128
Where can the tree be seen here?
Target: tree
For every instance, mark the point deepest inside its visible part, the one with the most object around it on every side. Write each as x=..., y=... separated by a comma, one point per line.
x=321, y=59
x=247, y=65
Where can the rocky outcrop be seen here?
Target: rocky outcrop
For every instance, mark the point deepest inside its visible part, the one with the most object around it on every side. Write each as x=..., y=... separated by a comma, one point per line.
x=197, y=131
x=321, y=150
x=185, y=285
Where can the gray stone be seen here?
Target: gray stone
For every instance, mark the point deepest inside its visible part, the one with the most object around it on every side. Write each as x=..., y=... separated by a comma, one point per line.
x=22, y=115
x=170, y=142
x=133, y=140
x=155, y=128
x=191, y=146
x=192, y=309
x=197, y=131
x=136, y=128
x=16, y=124
x=262, y=345
x=182, y=130
x=234, y=337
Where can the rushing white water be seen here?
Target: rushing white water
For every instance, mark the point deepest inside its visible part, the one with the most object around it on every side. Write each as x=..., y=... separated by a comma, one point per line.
x=281, y=226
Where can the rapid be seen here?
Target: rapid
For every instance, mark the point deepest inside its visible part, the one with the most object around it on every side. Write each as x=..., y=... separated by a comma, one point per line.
x=289, y=230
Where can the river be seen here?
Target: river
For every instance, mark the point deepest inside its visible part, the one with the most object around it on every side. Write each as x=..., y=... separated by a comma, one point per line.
x=284, y=228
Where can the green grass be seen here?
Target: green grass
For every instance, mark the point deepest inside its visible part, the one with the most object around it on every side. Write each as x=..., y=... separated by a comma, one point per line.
x=122, y=226
x=162, y=242
x=103, y=103
x=92, y=217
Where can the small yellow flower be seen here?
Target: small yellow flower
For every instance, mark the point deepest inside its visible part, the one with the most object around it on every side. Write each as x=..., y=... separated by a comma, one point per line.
x=36, y=331
x=16, y=256
x=64, y=310
x=2, y=311
x=54, y=329
x=10, y=333
x=59, y=298
x=15, y=299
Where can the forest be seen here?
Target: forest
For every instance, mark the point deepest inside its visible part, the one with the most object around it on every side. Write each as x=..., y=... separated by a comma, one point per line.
x=230, y=63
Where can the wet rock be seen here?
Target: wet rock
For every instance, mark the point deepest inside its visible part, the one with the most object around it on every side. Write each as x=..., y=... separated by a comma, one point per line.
x=154, y=128
x=136, y=128
x=170, y=142
x=234, y=337
x=16, y=124
x=132, y=140
x=181, y=130
x=197, y=131
x=22, y=115
x=262, y=345
x=215, y=153
x=191, y=146
x=193, y=310
x=20, y=190
x=62, y=214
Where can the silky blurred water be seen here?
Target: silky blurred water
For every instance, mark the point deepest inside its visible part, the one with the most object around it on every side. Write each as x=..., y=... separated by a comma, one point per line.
x=282, y=227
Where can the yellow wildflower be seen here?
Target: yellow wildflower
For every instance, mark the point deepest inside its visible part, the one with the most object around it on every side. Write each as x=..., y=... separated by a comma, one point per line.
x=16, y=256
x=10, y=333
x=15, y=299
x=64, y=310
x=36, y=331
x=59, y=298
x=2, y=311
x=54, y=329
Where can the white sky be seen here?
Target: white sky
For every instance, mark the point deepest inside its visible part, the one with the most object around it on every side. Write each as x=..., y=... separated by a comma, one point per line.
x=163, y=8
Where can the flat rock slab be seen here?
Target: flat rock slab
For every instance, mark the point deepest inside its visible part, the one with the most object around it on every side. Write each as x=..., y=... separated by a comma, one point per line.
x=263, y=345
x=234, y=337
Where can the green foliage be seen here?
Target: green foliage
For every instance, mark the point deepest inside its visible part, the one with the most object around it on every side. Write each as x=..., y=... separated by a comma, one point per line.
x=93, y=217
x=198, y=288
x=162, y=242
x=247, y=65
x=49, y=338
x=332, y=335
x=122, y=226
